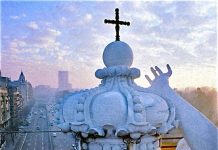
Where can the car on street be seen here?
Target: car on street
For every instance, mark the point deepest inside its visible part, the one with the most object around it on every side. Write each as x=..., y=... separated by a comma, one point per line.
x=54, y=134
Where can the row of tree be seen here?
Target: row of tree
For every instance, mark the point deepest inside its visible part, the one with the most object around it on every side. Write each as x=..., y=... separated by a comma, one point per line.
x=204, y=99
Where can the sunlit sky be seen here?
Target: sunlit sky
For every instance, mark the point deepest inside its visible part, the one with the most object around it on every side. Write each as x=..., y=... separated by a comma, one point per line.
x=43, y=37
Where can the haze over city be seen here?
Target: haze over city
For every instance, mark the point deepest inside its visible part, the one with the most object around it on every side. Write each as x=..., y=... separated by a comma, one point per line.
x=42, y=38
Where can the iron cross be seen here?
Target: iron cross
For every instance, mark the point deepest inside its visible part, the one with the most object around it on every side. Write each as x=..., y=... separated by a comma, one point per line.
x=117, y=23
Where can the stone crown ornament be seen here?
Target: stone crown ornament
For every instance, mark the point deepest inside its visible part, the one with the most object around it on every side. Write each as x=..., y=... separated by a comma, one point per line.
x=117, y=112
x=117, y=107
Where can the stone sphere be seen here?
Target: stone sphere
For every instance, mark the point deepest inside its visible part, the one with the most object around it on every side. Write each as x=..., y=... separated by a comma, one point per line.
x=117, y=53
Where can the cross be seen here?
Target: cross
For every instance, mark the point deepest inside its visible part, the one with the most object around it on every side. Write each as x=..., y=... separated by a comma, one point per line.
x=117, y=23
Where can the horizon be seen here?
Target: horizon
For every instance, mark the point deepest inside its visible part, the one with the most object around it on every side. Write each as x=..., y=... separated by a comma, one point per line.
x=40, y=42
x=76, y=88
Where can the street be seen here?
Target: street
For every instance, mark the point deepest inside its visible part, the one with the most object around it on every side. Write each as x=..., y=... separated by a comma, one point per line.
x=37, y=140
x=61, y=141
x=41, y=120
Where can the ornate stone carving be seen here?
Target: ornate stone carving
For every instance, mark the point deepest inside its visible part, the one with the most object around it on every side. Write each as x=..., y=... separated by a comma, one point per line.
x=118, y=109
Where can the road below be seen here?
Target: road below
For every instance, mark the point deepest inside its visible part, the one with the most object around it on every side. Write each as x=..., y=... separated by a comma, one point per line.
x=41, y=119
x=37, y=140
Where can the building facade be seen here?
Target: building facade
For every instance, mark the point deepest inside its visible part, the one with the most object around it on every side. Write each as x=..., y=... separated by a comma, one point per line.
x=16, y=107
x=24, y=87
x=4, y=108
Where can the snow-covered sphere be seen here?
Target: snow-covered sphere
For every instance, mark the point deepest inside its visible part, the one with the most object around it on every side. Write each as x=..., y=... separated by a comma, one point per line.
x=117, y=53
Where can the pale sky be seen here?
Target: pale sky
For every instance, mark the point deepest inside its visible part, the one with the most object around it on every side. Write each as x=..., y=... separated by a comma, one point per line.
x=43, y=37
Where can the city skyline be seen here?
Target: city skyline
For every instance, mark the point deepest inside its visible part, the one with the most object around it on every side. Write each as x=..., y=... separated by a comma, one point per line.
x=42, y=38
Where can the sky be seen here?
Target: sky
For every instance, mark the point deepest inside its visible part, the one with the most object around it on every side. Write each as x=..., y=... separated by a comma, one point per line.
x=41, y=38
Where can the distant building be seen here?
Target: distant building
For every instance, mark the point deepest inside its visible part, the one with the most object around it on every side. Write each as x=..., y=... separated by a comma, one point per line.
x=44, y=92
x=63, y=81
x=24, y=87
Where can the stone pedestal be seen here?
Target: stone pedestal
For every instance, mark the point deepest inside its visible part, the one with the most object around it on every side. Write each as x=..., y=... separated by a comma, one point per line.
x=145, y=143
x=105, y=144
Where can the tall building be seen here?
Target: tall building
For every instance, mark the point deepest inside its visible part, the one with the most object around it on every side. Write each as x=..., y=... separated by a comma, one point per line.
x=63, y=81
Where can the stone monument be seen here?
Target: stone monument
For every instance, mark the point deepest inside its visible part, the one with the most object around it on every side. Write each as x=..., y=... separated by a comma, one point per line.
x=119, y=114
